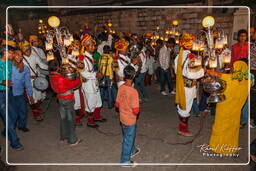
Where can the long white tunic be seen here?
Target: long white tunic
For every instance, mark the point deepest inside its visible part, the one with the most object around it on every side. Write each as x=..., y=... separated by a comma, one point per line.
x=190, y=93
x=40, y=53
x=143, y=59
x=34, y=61
x=150, y=62
x=121, y=66
x=164, y=58
x=90, y=87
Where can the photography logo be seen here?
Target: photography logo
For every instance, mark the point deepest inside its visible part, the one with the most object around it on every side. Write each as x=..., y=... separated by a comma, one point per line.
x=223, y=150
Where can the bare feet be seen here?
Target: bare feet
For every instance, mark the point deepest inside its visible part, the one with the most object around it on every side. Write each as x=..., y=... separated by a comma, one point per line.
x=76, y=143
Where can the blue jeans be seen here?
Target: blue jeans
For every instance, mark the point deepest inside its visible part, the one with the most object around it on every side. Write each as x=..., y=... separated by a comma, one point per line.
x=244, y=116
x=165, y=77
x=195, y=108
x=14, y=140
x=20, y=107
x=203, y=101
x=128, y=147
x=108, y=92
x=140, y=85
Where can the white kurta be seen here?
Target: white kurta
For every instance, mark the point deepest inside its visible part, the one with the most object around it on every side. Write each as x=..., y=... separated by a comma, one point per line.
x=90, y=87
x=35, y=61
x=40, y=53
x=164, y=58
x=150, y=62
x=143, y=59
x=190, y=93
x=121, y=66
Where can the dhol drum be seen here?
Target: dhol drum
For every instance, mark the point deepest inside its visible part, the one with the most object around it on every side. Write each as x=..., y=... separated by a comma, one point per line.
x=41, y=83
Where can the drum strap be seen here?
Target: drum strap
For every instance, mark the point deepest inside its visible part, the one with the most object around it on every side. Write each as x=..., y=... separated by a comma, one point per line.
x=123, y=60
x=91, y=61
x=30, y=67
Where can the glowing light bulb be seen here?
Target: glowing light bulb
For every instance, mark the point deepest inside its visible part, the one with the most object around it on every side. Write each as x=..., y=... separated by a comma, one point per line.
x=54, y=21
x=208, y=21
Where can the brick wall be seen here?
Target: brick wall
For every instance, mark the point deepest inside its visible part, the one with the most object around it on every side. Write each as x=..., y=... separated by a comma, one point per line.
x=142, y=20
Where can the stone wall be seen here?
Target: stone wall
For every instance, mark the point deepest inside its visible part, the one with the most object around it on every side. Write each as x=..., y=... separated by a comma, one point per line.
x=143, y=20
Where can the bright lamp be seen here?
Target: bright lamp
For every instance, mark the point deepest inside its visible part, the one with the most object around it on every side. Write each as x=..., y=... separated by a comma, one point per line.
x=54, y=21
x=208, y=21
x=175, y=22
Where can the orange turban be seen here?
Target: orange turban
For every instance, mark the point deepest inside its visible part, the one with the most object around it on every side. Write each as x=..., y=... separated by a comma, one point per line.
x=121, y=44
x=187, y=40
x=87, y=40
x=10, y=43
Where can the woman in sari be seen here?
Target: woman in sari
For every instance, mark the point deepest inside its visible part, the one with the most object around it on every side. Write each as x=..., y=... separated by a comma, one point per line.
x=225, y=131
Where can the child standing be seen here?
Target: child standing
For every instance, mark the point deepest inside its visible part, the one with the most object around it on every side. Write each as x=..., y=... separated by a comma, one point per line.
x=128, y=103
x=106, y=71
x=64, y=87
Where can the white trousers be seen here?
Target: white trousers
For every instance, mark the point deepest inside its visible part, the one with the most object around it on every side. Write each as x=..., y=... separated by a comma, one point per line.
x=77, y=104
x=37, y=94
x=190, y=95
x=92, y=101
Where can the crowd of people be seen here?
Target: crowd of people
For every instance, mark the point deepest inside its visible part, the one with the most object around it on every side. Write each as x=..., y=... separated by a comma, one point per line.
x=117, y=68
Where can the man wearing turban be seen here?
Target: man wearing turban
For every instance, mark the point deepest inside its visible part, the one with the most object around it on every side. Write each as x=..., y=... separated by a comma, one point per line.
x=123, y=60
x=185, y=82
x=34, y=62
x=90, y=85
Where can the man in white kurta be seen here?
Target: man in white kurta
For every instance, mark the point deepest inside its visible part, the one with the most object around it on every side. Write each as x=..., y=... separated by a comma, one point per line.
x=34, y=62
x=90, y=86
x=190, y=92
x=37, y=51
x=123, y=60
x=187, y=76
x=139, y=80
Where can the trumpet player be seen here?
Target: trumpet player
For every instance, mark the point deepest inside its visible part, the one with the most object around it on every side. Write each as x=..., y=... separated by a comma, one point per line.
x=106, y=80
x=139, y=80
x=122, y=59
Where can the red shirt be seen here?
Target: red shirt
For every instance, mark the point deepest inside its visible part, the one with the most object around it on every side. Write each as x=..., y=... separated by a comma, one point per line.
x=239, y=52
x=60, y=84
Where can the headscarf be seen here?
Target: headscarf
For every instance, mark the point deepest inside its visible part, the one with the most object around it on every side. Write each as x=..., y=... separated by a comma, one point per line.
x=180, y=98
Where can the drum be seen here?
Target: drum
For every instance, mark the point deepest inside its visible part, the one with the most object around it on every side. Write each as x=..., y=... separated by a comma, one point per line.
x=41, y=83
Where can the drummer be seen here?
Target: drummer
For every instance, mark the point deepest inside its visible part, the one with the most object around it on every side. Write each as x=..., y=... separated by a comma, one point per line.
x=34, y=62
